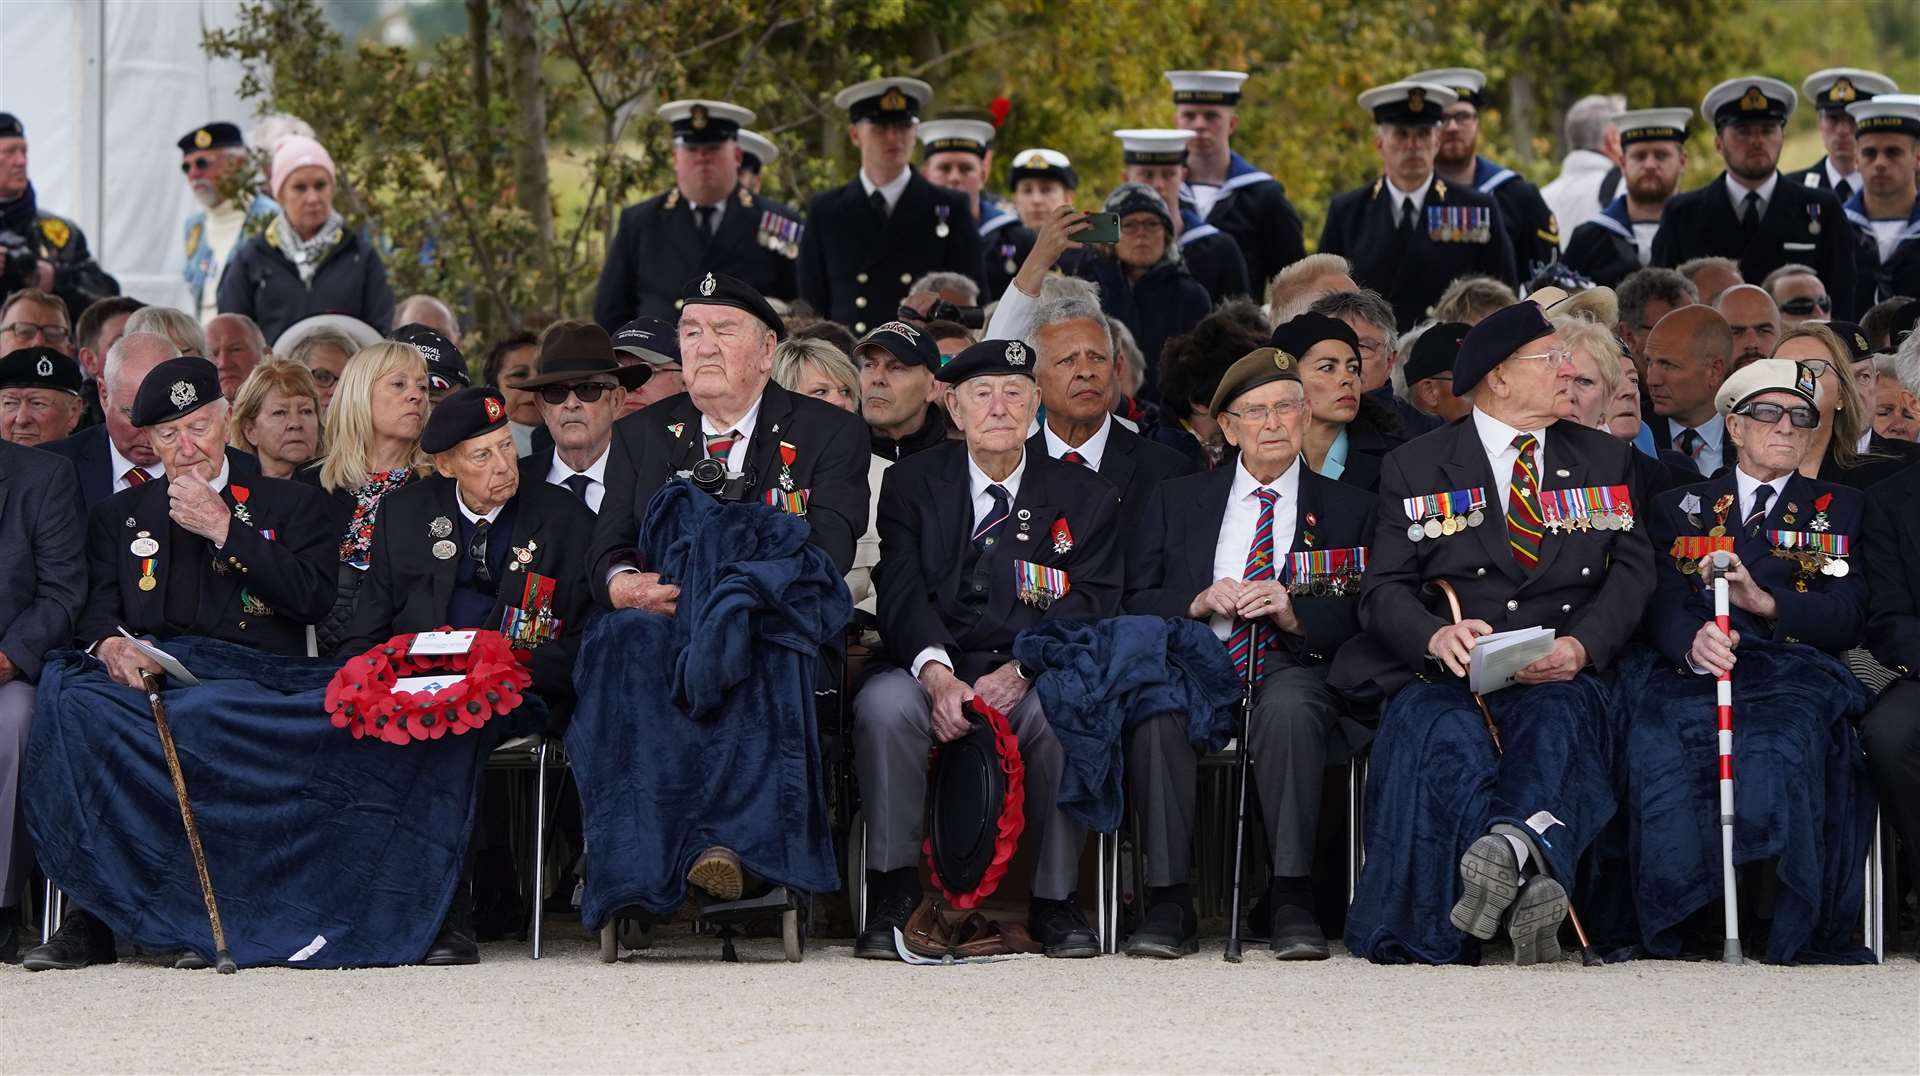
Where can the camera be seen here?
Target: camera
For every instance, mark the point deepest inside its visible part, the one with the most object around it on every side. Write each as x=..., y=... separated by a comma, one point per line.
x=970, y=317
x=21, y=261
x=710, y=476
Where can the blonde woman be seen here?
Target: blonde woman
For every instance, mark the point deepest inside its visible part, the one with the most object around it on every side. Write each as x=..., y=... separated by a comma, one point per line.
x=1844, y=448
x=276, y=416
x=1596, y=368
x=818, y=369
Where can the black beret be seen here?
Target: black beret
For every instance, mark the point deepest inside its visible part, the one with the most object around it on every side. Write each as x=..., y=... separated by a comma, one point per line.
x=987, y=358
x=1435, y=351
x=650, y=339
x=1901, y=325
x=719, y=289
x=910, y=344
x=10, y=126
x=39, y=368
x=1853, y=338
x=1252, y=370
x=467, y=413
x=1494, y=341
x=446, y=366
x=221, y=135
x=1297, y=337
x=174, y=388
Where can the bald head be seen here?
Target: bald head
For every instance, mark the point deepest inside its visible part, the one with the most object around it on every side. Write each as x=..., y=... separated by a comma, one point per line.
x=1753, y=320
x=129, y=361
x=431, y=312
x=1689, y=353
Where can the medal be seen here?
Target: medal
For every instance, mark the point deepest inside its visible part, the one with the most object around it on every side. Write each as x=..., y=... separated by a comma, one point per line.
x=440, y=527
x=1433, y=528
x=147, y=581
x=941, y=230
x=1476, y=517
x=443, y=549
x=1450, y=526
x=1415, y=533
x=144, y=546
x=1837, y=568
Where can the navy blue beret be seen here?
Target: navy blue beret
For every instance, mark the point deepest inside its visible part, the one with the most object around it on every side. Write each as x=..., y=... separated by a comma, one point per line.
x=719, y=289
x=1494, y=341
x=176, y=387
x=1298, y=336
x=987, y=358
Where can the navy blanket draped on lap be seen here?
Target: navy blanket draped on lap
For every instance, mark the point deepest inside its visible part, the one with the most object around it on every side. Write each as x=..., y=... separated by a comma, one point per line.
x=309, y=833
x=698, y=729
x=1800, y=795
x=1102, y=679
x=1436, y=784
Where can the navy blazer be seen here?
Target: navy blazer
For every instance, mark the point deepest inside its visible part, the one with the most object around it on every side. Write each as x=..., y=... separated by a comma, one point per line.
x=1890, y=559
x=43, y=580
x=1132, y=465
x=92, y=458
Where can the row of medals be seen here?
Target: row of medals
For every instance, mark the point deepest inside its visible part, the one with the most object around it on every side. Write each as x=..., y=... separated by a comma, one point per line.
x=1447, y=525
x=1598, y=521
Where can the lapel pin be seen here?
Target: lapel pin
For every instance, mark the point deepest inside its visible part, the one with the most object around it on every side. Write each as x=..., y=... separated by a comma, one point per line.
x=1562, y=473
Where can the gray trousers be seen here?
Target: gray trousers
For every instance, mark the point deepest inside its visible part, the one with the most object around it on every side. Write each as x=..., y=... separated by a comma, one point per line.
x=1293, y=714
x=892, y=732
x=16, y=717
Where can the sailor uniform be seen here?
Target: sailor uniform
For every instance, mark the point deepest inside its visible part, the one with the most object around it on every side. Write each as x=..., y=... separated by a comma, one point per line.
x=1213, y=257
x=1251, y=208
x=1886, y=254
x=1610, y=245
x=1531, y=229
x=1005, y=243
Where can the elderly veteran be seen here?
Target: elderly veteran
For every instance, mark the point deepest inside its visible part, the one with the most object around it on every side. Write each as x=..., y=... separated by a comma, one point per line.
x=1428, y=372
x=582, y=388
x=39, y=396
x=1260, y=545
x=1033, y=539
x=1531, y=522
x=1801, y=802
x=737, y=436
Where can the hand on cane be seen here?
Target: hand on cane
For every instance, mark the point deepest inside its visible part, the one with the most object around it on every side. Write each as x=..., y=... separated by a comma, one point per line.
x=1453, y=644
x=1713, y=650
x=125, y=663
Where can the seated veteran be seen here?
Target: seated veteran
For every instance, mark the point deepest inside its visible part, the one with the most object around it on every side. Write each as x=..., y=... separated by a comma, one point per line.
x=40, y=396
x=1796, y=606
x=1529, y=520
x=1890, y=732
x=1074, y=366
x=978, y=540
x=198, y=552
x=1348, y=432
x=1210, y=547
x=582, y=389
x=758, y=442
x=1428, y=372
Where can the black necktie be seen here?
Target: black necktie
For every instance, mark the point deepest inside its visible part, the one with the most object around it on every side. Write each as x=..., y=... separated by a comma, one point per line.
x=1690, y=442
x=1407, y=212
x=1750, y=218
x=996, y=517
x=705, y=214
x=477, y=549
x=879, y=203
x=1843, y=191
x=1759, y=514
x=578, y=483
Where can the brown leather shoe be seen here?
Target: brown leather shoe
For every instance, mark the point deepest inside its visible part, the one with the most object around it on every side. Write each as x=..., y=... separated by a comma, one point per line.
x=718, y=871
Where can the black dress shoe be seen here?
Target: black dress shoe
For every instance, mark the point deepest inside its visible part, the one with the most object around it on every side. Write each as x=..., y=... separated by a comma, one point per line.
x=80, y=941
x=1170, y=931
x=453, y=946
x=891, y=898
x=1295, y=934
x=9, y=938
x=1061, y=929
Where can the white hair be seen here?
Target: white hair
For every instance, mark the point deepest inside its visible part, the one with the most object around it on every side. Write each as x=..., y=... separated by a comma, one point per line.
x=176, y=325
x=1589, y=117
x=1906, y=363
x=942, y=281
x=251, y=326
x=276, y=127
x=145, y=344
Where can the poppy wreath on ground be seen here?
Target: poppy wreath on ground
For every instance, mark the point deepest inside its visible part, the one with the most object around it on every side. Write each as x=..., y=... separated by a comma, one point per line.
x=1012, y=815
x=361, y=697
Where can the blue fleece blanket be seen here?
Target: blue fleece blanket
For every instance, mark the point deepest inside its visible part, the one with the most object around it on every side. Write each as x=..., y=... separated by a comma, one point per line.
x=325, y=851
x=698, y=729
x=1800, y=796
x=1103, y=679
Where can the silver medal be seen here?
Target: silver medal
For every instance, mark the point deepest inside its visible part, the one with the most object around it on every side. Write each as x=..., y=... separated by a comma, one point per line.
x=144, y=547
x=1415, y=532
x=942, y=230
x=1476, y=517
x=440, y=528
x=444, y=549
x=1838, y=569
x=786, y=480
x=1433, y=528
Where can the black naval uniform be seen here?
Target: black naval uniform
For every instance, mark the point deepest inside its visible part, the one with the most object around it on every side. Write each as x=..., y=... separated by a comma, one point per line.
x=660, y=246
x=409, y=589
x=1799, y=225
x=1005, y=243
x=1253, y=210
x=1602, y=247
x=856, y=264
x=1133, y=465
x=1875, y=279
x=651, y=445
x=274, y=577
x=1412, y=269
x=1170, y=559
x=1214, y=258
x=1816, y=178
x=1531, y=228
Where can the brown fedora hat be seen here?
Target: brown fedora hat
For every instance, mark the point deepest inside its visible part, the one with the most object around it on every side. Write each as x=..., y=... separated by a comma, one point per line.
x=578, y=352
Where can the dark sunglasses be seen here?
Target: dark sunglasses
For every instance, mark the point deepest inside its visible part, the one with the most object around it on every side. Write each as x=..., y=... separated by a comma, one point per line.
x=197, y=164
x=1806, y=305
x=587, y=392
x=1804, y=417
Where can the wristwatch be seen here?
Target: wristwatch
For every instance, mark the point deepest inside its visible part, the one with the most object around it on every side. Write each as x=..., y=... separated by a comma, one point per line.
x=1022, y=671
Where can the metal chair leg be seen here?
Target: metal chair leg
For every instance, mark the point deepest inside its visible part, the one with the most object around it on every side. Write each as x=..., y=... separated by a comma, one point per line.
x=857, y=885
x=1107, y=884
x=53, y=909
x=1873, y=913
x=539, y=844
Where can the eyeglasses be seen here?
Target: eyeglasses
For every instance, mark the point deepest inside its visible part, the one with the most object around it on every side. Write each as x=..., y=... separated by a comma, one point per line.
x=1806, y=304
x=27, y=330
x=198, y=164
x=1140, y=227
x=587, y=391
x=323, y=378
x=1259, y=413
x=1767, y=414
x=1555, y=356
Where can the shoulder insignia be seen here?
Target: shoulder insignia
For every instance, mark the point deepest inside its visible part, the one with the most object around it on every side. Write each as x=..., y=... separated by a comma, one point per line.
x=56, y=231
x=673, y=199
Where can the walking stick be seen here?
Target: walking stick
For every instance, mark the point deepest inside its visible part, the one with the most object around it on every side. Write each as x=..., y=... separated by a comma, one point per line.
x=222, y=960
x=1241, y=766
x=1724, y=689
x=1589, y=955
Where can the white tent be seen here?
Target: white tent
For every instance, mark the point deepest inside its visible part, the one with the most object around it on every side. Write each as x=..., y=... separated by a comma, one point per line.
x=104, y=90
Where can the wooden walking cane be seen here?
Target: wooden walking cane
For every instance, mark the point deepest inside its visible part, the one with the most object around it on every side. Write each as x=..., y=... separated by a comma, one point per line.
x=1588, y=954
x=222, y=959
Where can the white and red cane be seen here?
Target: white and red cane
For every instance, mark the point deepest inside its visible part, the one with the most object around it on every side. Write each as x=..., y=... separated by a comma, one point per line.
x=1721, y=562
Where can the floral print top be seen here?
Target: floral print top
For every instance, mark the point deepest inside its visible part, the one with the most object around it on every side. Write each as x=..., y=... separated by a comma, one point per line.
x=356, y=548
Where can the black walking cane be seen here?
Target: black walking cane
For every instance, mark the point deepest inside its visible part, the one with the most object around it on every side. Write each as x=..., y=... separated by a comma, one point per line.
x=222, y=960
x=1241, y=765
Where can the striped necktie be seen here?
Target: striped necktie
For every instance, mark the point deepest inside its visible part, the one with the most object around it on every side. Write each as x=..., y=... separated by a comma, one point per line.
x=1075, y=457
x=1260, y=557
x=719, y=444
x=996, y=517
x=134, y=477
x=1524, y=525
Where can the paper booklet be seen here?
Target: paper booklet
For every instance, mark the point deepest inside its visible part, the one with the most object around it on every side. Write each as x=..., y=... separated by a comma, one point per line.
x=1498, y=656
x=167, y=662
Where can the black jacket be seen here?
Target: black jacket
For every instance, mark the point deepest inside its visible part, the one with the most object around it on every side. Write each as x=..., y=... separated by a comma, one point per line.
x=1132, y=465
x=1216, y=263
x=855, y=264
x=933, y=431
x=91, y=454
x=651, y=445
x=1602, y=247
x=1165, y=302
x=43, y=578
x=1800, y=225
x=1170, y=554
x=262, y=283
x=1254, y=211
x=1412, y=271
x=1882, y=460
x=1532, y=230
x=284, y=560
x=1373, y=433
x=1877, y=279
x=77, y=278
x=926, y=523
x=659, y=248
x=1891, y=562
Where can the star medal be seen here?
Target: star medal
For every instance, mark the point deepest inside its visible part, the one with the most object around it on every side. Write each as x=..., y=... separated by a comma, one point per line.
x=1819, y=521
x=788, y=454
x=1062, y=537
x=676, y=429
x=441, y=527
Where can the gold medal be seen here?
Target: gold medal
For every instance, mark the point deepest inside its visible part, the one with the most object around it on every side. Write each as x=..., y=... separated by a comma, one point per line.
x=1716, y=532
x=148, y=582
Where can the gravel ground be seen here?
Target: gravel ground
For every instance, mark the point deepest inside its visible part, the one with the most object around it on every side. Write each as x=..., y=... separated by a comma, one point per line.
x=677, y=1009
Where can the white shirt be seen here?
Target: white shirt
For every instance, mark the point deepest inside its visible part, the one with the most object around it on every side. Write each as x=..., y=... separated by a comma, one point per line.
x=1712, y=442
x=220, y=234
x=558, y=472
x=1497, y=438
x=1204, y=197
x=474, y=517
x=719, y=210
x=977, y=483
x=1746, y=484
x=1834, y=178
x=743, y=433
x=1237, y=526
x=1401, y=198
x=893, y=189
x=1093, y=451
x=121, y=465
x=1737, y=191
x=1887, y=233
x=1574, y=197
x=1643, y=233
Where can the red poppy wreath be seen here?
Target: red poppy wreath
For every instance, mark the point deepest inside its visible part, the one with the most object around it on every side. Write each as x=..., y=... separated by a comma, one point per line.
x=362, y=698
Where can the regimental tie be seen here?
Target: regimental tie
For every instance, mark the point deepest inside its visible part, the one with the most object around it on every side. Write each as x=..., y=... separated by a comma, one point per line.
x=1260, y=566
x=1762, y=495
x=1524, y=524
x=719, y=444
x=990, y=527
x=1690, y=443
x=135, y=476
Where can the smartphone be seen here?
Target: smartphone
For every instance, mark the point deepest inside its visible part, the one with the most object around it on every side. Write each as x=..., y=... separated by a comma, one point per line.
x=1100, y=228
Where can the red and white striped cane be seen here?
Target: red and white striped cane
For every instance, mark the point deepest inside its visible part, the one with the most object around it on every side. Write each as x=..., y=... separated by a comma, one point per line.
x=1721, y=562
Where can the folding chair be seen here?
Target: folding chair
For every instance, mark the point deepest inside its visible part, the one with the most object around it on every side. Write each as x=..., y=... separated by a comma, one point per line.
x=1873, y=915
x=534, y=752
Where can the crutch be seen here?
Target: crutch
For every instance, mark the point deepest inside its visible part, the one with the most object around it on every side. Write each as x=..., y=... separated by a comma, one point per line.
x=1724, y=689
x=222, y=960
x=1589, y=955
x=1241, y=765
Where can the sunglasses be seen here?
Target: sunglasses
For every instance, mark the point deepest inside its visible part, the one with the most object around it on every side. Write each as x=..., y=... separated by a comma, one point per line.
x=588, y=392
x=1806, y=305
x=1805, y=418
x=197, y=164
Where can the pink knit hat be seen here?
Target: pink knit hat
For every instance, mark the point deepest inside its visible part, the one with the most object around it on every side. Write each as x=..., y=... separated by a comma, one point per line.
x=294, y=153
